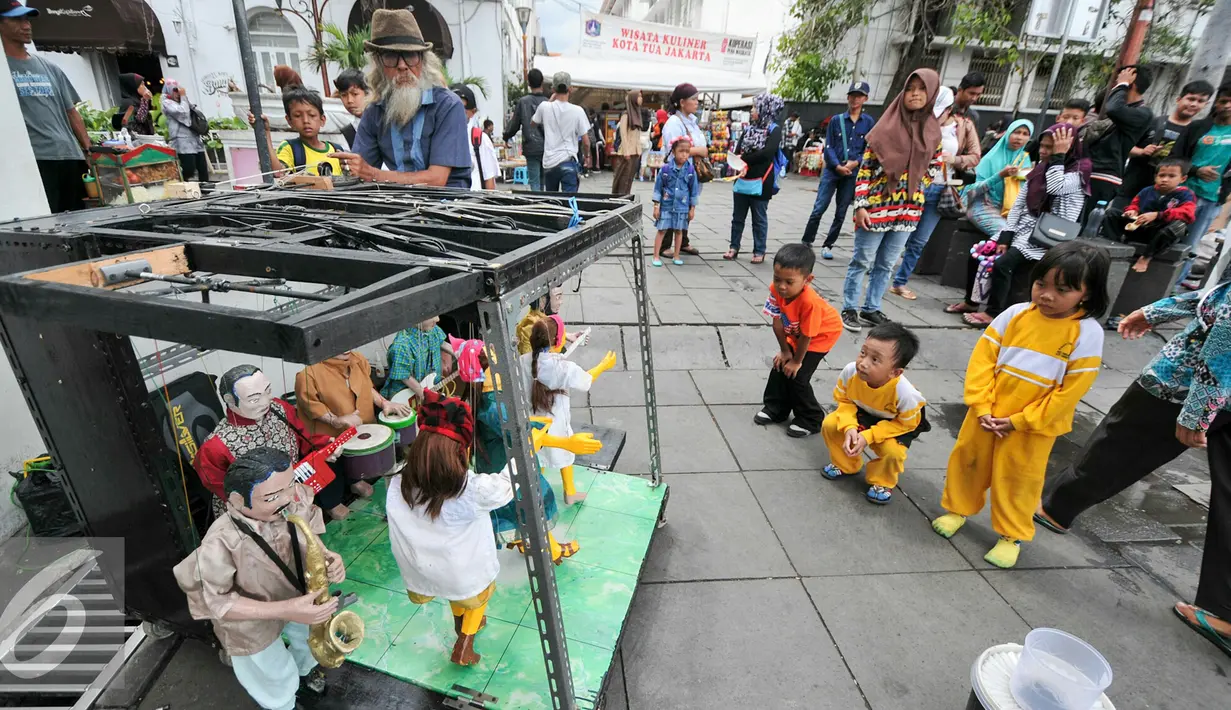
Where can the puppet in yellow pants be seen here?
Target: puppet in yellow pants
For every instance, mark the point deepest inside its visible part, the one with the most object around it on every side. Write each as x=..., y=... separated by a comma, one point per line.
x=1013, y=467
x=469, y=617
x=890, y=455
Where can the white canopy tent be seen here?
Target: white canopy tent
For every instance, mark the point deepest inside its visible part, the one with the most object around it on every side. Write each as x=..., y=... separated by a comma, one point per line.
x=648, y=76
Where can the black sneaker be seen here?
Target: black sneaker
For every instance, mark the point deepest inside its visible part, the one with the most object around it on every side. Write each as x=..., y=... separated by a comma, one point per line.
x=314, y=684
x=873, y=318
x=850, y=321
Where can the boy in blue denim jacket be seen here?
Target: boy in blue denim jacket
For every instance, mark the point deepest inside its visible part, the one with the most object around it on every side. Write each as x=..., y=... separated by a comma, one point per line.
x=676, y=193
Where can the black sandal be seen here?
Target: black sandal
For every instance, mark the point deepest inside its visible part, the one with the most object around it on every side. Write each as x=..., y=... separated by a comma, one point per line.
x=730, y=255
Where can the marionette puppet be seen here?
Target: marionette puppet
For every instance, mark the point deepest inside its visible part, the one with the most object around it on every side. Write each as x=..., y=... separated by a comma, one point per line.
x=550, y=377
x=438, y=510
x=256, y=418
x=416, y=352
x=248, y=578
x=543, y=307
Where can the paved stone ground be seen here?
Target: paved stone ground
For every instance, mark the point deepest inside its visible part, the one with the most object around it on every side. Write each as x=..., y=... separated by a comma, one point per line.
x=771, y=587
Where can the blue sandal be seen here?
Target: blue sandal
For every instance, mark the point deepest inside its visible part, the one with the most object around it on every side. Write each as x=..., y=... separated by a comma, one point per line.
x=1203, y=627
x=657, y=262
x=832, y=472
x=879, y=495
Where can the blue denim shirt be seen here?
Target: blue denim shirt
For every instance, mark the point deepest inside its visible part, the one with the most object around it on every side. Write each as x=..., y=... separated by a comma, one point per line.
x=1194, y=367
x=443, y=140
x=676, y=189
x=856, y=138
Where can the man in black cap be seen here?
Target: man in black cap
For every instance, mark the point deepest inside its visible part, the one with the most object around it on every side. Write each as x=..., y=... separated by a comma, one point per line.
x=414, y=125
x=483, y=162
x=845, y=140
x=48, y=104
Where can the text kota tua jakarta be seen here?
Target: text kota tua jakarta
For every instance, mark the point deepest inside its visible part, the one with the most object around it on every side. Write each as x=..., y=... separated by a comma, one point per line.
x=666, y=45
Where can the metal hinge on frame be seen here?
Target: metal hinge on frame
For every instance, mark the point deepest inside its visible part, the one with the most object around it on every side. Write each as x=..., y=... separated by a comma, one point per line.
x=468, y=699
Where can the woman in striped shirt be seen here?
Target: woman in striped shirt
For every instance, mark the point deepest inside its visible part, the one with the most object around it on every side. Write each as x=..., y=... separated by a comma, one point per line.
x=1058, y=183
x=901, y=160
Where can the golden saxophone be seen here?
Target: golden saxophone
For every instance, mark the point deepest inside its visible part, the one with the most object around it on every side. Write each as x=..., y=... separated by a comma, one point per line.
x=330, y=641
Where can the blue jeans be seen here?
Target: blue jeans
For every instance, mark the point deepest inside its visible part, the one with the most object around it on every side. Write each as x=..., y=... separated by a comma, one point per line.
x=760, y=221
x=534, y=172
x=919, y=238
x=1207, y=210
x=563, y=177
x=831, y=183
x=880, y=250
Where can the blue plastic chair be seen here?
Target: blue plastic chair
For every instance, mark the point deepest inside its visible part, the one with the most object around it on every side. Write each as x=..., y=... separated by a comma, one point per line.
x=520, y=176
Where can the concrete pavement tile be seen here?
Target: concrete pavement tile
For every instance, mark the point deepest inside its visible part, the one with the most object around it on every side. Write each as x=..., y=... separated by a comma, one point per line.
x=944, y=348
x=677, y=347
x=1085, y=421
x=715, y=530
x=727, y=307
x=660, y=282
x=923, y=487
x=748, y=347
x=897, y=310
x=938, y=385
x=828, y=528
x=602, y=338
x=1126, y=615
x=616, y=698
x=677, y=310
x=1177, y=565
x=625, y=389
x=722, y=267
x=697, y=276
x=930, y=286
x=609, y=305
x=603, y=275
x=933, y=610
x=1130, y=356
x=721, y=645
x=731, y=386
x=689, y=440
x=572, y=311
x=1113, y=521
x=767, y=447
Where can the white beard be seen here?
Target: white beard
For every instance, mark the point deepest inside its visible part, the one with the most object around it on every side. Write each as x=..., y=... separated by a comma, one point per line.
x=402, y=103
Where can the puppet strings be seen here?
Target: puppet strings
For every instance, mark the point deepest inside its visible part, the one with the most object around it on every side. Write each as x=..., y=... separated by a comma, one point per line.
x=179, y=454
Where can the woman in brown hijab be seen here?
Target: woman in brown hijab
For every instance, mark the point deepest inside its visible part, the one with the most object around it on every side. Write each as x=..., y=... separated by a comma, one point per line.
x=627, y=156
x=901, y=161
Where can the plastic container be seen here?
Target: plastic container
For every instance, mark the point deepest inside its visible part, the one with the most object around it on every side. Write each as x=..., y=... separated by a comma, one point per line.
x=1059, y=671
x=1095, y=221
x=991, y=677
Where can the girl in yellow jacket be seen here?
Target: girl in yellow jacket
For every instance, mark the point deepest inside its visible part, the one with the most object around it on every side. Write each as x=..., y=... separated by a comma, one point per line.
x=1026, y=375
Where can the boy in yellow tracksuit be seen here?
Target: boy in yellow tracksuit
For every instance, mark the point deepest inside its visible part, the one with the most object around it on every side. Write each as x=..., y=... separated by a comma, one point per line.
x=1026, y=375
x=878, y=409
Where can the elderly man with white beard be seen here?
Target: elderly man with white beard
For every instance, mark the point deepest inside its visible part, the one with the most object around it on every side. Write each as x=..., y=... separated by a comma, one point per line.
x=414, y=125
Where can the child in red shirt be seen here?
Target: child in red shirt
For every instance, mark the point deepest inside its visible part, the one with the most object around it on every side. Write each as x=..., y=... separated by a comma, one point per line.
x=807, y=328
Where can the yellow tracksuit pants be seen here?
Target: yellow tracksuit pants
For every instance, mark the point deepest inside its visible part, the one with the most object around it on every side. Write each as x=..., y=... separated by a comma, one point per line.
x=1013, y=467
x=884, y=471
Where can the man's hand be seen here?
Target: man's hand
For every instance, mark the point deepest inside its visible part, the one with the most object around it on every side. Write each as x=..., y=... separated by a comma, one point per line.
x=1130, y=214
x=851, y=166
x=1150, y=149
x=1062, y=140
x=657, y=212
x=334, y=567
x=790, y=368
x=1148, y=217
x=1001, y=248
x=356, y=166
x=304, y=610
x=1192, y=438
x=1134, y=325
x=351, y=420
x=853, y=443
x=1209, y=173
x=1126, y=76
x=782, y=358
x=861, y=218
x=393, y=409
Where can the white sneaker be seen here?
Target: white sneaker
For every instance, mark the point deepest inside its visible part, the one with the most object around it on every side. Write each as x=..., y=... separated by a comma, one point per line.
x=762, y=418
x=798, y=432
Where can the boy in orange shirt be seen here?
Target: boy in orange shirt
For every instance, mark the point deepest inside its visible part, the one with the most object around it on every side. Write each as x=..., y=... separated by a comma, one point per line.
x=807, y=328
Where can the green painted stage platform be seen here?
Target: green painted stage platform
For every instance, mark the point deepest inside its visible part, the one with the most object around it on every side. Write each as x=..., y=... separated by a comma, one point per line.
x=614, y=526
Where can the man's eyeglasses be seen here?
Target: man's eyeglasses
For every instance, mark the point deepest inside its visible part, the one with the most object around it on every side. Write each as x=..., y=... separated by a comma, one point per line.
x=390, y=60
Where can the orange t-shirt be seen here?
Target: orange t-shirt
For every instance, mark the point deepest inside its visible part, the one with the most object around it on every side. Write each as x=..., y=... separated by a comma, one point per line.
x=809, y=315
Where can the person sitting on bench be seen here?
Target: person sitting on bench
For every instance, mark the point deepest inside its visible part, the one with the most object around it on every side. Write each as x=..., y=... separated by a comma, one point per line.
x=1158, y=216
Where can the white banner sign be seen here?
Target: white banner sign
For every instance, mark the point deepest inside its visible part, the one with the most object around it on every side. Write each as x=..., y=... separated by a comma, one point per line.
x=1048, y=17
x=608, y=37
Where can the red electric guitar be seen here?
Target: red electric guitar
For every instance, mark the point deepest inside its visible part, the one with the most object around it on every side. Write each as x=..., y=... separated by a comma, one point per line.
x=314, y=471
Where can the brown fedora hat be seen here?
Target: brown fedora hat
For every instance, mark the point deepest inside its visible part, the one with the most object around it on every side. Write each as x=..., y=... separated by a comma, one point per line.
x=395, y=31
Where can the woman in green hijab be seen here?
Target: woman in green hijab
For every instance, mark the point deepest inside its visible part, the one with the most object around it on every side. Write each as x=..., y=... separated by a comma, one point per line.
x=998, y=179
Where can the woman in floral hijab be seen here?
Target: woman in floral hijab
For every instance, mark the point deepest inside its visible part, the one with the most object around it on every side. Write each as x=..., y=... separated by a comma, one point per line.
x=758, y=147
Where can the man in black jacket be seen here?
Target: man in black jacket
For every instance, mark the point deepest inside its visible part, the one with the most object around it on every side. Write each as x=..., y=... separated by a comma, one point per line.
x=1206, y=145
x=1159, y=139
x=531, y=135
x=1129, y=119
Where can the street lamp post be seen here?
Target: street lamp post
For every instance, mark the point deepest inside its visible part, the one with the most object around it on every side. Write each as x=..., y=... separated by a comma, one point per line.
x=301, y=9
x=523, y=17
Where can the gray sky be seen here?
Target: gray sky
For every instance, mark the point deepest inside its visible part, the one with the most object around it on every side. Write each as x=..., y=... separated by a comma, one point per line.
x=560, y=23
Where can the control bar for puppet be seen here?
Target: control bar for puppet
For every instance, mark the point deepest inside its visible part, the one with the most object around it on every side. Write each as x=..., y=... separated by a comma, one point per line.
x=222, y=285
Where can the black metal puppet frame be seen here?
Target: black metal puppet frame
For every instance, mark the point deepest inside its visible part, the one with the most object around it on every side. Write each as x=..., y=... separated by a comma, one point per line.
x=388, y=256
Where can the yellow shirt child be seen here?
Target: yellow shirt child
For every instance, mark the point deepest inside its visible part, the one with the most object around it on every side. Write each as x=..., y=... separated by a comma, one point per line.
x=1026, y=375
x=878, y=408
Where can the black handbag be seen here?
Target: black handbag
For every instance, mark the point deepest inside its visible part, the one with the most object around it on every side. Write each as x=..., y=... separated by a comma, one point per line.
x=1051, y=230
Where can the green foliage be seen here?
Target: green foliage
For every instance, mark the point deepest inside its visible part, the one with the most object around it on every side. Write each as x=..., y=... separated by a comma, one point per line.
x=340, y=47
x=514, y=89
x=96, y=121
x=156, y=114
x=808, y=53
x=477, y=82
x=986, y=22
x=230, y=123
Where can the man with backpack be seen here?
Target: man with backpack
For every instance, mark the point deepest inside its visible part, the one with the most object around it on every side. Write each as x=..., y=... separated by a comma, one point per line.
x=1108, y=141
x=483, y=163
x=186, y=129
x=531, y=135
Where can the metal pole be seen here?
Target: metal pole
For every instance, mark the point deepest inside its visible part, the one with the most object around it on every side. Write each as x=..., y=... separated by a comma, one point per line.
x=254, y=92
x=1214, y=50
x=525, y=61
x=647, y=358
x=1130, y=52
x=1055, y=67
x=512, y=405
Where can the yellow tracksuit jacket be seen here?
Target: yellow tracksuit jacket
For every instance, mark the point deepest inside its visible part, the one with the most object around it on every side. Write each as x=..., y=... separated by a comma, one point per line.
x=1033, y=370
x=899, y=407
